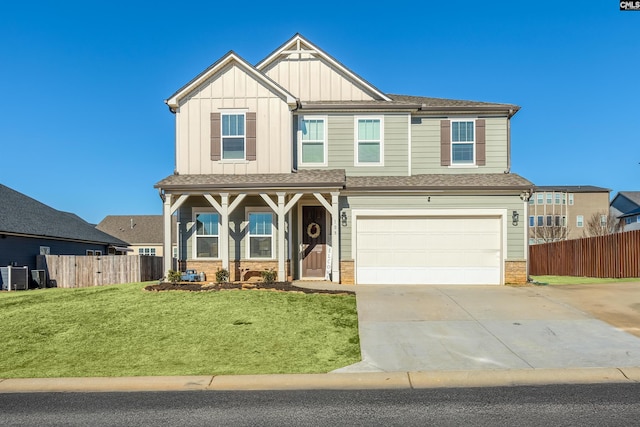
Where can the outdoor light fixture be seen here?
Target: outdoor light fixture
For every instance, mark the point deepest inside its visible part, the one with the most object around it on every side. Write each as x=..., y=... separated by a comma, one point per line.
x=343, y=218
x=515, y=216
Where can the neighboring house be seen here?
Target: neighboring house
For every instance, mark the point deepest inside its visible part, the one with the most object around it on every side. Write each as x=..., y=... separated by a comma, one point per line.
x=562, y=212
x=626, y=207
x=143, y=233
x=299, y=165
x=29, y=228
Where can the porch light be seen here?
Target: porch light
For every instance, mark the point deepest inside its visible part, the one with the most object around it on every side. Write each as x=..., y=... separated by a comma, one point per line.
x=515, y=216
x=343, y=218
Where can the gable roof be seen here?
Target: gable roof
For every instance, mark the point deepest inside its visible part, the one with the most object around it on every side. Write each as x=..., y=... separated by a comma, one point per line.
x=298, y=41
x=633, y=196
x=229, y=58
x=22, y=215
x=572, y=188
x=136, y=229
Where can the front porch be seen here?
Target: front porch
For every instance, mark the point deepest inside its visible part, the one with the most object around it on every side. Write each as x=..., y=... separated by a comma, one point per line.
x=293, y=230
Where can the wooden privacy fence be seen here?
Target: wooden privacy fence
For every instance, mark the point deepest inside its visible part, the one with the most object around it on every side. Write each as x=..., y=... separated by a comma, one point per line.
x=615, y=255
x=75, y=271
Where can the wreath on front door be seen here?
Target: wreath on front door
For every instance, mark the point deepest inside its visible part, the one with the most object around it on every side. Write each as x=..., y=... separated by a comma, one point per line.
x=313, y=230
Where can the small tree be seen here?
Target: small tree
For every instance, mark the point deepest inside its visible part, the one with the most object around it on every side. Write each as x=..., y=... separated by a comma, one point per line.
x=548, y=234
x=174, y=276
x=602, y=223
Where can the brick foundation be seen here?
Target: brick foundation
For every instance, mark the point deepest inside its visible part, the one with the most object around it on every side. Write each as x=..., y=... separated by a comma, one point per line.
x=209, y=268
x=347, y=276
x=515, y=272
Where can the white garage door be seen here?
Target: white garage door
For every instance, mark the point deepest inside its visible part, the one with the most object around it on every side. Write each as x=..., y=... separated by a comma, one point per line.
x=428, y=250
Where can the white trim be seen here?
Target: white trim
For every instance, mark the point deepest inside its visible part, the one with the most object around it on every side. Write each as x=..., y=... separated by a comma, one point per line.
x=409, y=143
x=452, y=143
x=356, y=140
x=246, y=226
x=325, y=149
x=502, y=214
x=295, y=42
x=204, y=210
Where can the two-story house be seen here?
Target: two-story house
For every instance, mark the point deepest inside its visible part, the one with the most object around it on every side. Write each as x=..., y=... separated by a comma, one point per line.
x=626, y=207
x=299, y=165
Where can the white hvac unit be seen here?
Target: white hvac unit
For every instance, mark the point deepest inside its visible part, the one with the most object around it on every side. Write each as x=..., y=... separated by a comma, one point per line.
x=14, y=278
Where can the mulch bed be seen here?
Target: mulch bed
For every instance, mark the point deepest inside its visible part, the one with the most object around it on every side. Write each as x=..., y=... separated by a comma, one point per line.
x=275, y=286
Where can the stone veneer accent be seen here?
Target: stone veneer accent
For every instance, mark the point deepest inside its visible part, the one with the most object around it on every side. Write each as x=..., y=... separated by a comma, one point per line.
x=347, y=277
x=515, y=272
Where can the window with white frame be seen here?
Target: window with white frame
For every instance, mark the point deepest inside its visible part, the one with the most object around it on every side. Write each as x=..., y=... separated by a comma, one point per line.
x=603, y=220
x=557, y=220
x=313, y=141
x=532, y=221
x=540, y=198
x=549, y=198
x=233, y=135
x=532, y=201
x=147, y=251
x=557, y=196
x=540, y=221
x=571, y=198
x=462, y=143
x=579, y=221
x=549, y=221
x=260, y=234
x=207, y=235
x=369, y=141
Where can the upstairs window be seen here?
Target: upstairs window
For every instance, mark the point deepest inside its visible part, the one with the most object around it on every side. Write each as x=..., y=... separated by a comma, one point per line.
x=313, y=142
x=580, y=221
x=147, y=251
x=369, y=141
x=540, y=197
x=462, y=143
x=549, y=198
x=233, y=136
x=206, y=238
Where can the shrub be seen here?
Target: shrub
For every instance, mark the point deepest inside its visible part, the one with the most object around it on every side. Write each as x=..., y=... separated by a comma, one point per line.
x=269, y=276
x=174, y=276
x=222, y=275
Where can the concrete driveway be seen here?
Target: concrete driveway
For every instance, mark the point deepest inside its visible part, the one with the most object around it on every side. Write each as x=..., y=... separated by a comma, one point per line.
x=420, y=328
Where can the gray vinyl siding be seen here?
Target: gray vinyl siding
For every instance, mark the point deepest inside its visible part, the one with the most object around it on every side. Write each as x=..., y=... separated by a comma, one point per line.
x=515, y=234
x=341, y=145
x=425, y=145
x=237, y=226
x=23, y=250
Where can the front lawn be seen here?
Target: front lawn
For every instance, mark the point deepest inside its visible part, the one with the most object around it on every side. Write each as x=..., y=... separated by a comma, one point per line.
x=122, y=330
x=571, y=280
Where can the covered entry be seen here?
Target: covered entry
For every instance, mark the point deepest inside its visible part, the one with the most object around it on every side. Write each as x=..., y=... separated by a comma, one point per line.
x=466, y=250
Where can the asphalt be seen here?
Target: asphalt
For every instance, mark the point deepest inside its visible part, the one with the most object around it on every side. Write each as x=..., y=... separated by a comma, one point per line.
x=435, y=336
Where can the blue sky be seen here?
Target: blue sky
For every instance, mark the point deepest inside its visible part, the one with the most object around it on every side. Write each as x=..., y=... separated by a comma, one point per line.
x=84, y=129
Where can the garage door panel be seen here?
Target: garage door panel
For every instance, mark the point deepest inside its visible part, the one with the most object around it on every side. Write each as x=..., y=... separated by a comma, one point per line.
x=428, y=250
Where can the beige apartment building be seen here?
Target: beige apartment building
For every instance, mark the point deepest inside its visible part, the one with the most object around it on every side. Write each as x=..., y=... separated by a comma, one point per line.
x=562, y=212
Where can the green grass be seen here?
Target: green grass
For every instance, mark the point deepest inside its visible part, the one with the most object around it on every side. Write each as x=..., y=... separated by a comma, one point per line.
x=122, y=330
x=571, y=280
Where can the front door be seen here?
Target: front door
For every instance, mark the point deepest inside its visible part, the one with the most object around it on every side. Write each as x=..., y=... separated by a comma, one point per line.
x=314, y=241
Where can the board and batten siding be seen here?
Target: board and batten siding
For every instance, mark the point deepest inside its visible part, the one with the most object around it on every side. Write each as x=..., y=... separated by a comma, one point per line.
x=341, y=145
x=232, y=88
x=310, y=78
x=425, y=147
x=515, y=234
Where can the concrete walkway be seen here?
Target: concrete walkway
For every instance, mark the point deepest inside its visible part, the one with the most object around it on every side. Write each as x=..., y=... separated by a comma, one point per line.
x=452, y=328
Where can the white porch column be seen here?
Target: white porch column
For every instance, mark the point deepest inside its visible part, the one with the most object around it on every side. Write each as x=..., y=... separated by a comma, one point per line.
x=166, y=216
x=224, y=233
x=335, y=238
x=282, y=272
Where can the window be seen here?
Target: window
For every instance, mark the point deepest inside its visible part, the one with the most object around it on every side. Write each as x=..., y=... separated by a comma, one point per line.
x=93, y=253
x=233, y=136
x=532, y=200
x=532, y=221
x=174, y=251
x=564, y=198
x=557, y=195
x=260, y=235
x=147, y=251
x=549, y=198
x=206, y=237
x=462, y=143
x=571, y=199
x=369, y=141
x=540, y=221
x=603, y=220
x=579, y=221
x=564, y=221
x=549, y=220
x=557, y=220
x=628, y=220
x=312, y=141
x=540, y=197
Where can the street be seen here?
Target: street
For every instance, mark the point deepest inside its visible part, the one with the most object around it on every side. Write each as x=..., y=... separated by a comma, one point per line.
x=584, y=405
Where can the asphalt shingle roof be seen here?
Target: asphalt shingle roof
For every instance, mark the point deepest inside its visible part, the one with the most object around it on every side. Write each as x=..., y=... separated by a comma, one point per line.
x=433, y=181
x=20, y=214
x=634, y=196
x=572, y=188
x=136, y=229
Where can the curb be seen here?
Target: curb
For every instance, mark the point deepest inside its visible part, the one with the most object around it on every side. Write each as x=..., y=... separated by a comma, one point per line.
x=346, y=381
